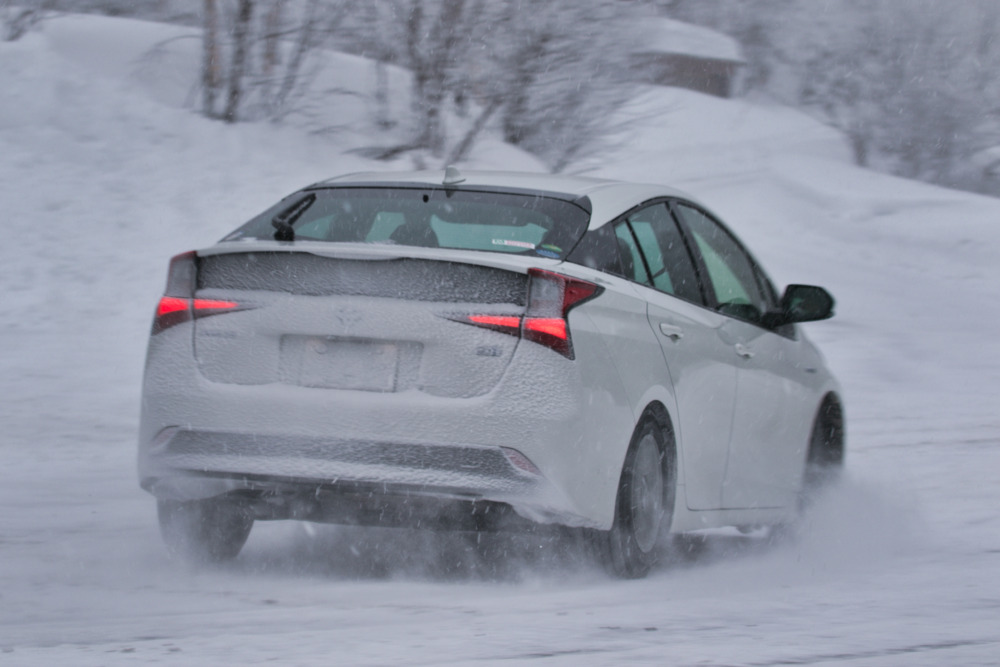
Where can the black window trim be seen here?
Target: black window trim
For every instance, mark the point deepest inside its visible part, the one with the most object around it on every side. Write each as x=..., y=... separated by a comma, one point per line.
x=572, y=258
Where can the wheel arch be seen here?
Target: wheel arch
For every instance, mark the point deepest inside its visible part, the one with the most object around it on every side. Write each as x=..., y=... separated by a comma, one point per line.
x=659, y=414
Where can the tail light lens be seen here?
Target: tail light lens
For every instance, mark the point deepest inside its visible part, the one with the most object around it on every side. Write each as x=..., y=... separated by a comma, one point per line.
x=183, y=275
x=178, y=303
x=550, y=298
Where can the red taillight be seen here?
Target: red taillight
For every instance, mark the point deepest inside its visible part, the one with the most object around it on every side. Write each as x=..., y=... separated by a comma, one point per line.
x=550, y=298
x=547, y=326
x=178, y=303
x=510, y=324
x=170, y=312
x=204, y=307
x=172, y=304
x=173, y=310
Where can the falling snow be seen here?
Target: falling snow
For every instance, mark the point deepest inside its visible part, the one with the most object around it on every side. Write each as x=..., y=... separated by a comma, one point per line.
x=105, y=175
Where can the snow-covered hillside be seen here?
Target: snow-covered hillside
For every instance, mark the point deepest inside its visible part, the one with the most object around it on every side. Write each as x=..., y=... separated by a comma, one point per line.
x=104, y=174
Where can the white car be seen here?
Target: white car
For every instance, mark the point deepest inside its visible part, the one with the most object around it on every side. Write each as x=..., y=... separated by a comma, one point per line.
x=480, y=351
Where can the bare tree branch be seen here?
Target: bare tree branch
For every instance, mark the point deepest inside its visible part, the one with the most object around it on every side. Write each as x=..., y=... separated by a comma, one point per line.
x=237, y=69
x=210, y=67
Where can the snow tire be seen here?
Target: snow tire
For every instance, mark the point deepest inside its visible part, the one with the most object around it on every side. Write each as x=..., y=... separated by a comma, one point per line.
x=212, y=530
x=644, y=505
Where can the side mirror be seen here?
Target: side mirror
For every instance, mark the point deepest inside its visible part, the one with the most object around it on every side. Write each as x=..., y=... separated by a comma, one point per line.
x=805, y=303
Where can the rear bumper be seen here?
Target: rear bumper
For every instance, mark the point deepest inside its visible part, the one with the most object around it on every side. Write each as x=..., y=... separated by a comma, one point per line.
x=369, y=483
x=200, y=438
x=178, y=455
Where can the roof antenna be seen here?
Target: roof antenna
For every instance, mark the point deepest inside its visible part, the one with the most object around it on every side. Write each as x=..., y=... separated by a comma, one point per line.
x=452, y=176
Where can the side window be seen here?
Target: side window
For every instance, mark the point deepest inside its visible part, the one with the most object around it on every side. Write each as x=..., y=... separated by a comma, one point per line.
x=730, y=269
x=670, y=267
x=598, y=250
x=315, y=229
x=632, y=266
x=646, y=238
x=384, y=225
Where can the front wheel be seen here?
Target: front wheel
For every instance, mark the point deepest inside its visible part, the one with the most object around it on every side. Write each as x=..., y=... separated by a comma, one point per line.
x=825, y=460
x=643, y=508
x=210, y=530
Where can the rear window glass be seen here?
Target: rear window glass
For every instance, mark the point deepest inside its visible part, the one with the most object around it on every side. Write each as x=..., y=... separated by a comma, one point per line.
x=427, y=217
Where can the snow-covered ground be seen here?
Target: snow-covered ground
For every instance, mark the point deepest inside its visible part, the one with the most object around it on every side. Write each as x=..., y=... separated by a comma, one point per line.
x=104, y=175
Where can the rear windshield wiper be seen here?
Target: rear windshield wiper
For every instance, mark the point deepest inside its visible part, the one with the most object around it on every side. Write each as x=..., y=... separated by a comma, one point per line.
x=283, y=230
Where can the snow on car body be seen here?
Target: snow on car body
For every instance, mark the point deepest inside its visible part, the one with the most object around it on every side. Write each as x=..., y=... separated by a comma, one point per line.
x=468, y=352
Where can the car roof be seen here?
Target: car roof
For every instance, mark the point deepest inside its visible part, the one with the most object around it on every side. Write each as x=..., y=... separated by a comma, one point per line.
x=607, y=198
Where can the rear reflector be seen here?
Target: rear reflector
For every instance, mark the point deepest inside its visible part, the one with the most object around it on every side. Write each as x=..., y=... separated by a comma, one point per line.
x=520, y=461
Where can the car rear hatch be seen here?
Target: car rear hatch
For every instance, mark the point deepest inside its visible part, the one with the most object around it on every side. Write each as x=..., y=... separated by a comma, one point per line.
x=363, y=324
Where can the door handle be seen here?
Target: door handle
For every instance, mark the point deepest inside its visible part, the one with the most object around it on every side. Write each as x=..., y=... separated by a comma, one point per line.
x=744, y=351
x=671, y=331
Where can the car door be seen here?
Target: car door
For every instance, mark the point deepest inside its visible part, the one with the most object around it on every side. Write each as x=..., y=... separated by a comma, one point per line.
x=771, y=415
x=700, y=363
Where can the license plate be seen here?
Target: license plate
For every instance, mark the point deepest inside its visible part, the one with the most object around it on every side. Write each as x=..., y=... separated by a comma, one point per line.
x=337, y=363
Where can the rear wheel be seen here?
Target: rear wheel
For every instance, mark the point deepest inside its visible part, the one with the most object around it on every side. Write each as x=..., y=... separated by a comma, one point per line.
x=644, y=505
x=211, y=530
